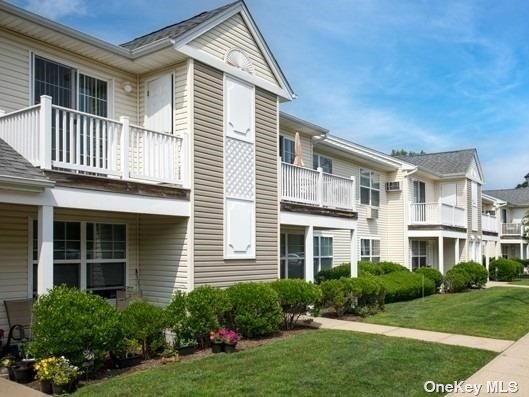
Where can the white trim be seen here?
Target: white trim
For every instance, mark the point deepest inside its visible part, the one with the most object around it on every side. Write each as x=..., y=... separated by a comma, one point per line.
x=436, y=233
x=30, y=256
x=370, y=239
x=329, y=222
x=191, y=172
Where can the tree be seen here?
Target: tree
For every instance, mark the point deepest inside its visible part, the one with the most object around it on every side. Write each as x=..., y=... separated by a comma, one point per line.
x=405, y=153
x=524, y=184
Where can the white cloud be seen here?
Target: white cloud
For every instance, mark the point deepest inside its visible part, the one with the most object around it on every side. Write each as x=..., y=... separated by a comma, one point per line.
x=57, y=9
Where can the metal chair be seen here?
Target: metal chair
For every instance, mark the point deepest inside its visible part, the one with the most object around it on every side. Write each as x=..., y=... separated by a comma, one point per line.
x=19, y=314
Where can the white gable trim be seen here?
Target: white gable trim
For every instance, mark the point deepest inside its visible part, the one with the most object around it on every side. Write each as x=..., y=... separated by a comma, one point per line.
x=480, y=171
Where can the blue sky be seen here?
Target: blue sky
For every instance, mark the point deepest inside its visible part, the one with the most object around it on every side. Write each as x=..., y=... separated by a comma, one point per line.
x=418, y=75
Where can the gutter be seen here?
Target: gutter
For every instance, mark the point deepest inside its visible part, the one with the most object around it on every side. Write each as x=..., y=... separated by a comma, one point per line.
x=28, y=184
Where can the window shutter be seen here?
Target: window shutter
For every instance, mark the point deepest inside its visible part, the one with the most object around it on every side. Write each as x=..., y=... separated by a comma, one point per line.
x=239, y=120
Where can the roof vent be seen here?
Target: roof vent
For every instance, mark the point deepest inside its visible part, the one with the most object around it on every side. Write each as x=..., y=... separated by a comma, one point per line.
x=239, y=59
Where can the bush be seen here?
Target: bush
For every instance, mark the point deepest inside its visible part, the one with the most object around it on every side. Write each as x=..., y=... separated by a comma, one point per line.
x=504, y=269
x=296, y=297
x=68, y=322
x=477, y=273
x=144, y=323
x=335, y=273
x=456, y=280
x=435, y=275
x=255, y=309
x=372, y=294
x=339, y=295
x=402, y=286
x=380, y=268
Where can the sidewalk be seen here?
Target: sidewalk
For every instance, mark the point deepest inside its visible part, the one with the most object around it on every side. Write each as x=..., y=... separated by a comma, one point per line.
x=13, y=389
x=511, y=365
x=475, y=342
x=491, y=284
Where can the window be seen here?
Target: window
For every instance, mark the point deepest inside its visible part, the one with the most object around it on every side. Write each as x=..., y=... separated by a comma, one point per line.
x=286, y=150
x=419, y=192
x=292, y=256
x=93, y=95
x=369, y=188
x=503, y=215
x=370, y=250
x=419, y=253
x=324, y=162
x=322, y=253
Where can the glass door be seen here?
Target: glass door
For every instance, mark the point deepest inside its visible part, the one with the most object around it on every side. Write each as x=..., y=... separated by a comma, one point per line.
x=292, y=256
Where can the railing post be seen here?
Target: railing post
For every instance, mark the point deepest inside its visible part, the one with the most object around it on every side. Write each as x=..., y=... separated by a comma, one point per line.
x=184, y=161
x=320, y=186
x=45, y=132
x=124, y=145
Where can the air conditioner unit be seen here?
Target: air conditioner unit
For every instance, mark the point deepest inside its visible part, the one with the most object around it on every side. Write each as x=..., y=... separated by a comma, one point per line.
x=392, y=186
x=372, y=213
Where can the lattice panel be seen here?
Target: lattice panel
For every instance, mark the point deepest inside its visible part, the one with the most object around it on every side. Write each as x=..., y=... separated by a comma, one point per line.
x=239, y=169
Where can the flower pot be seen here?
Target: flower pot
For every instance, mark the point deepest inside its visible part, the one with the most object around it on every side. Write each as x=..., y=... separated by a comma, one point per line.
x=46, y=386
x=11, y=372
x=126, y=362
x=186, y=350
x=229, y=348
x=64, y=389
x=217, y=348
x=24, y=374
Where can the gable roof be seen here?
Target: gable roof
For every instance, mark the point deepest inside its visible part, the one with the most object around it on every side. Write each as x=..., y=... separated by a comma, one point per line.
x=511, y=196
x=175, y=30
x=451, y=163
x=15, y=169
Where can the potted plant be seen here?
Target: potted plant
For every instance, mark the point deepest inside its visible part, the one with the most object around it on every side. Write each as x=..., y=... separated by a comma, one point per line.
x=187, y=346
x=217, y=344
x=45, y=370
x=128, y=354
x=65, y=377
x=23, y=370
x=229, y=338
x=6, y=369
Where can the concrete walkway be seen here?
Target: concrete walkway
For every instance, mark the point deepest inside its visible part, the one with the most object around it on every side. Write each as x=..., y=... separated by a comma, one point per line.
x=511, y=365
x=491, y=284
x=13, y=389
x=475, y=342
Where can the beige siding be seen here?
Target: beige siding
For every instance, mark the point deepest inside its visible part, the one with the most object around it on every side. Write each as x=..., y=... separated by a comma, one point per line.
x=209, y=265
x=234, y=34
x=395, y=234
x=14, y=236
x=15, y=65
x=163, y=257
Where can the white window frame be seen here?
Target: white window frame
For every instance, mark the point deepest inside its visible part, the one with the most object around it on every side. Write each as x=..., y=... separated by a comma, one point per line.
x=318, y=165
x=370, y=187
x=370, y=256
x=419, y=255
x=317, y=257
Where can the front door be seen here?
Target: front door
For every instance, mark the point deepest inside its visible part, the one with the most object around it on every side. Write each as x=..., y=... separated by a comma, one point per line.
x=158, y=104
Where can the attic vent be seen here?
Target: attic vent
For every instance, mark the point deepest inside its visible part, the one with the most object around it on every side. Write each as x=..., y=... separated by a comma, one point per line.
x=239, y=59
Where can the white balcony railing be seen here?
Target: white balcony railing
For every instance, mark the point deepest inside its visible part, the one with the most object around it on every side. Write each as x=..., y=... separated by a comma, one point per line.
x=511, y=229
x=489, y=223
x=314, y=187
x=54, y=137
x=437, y=214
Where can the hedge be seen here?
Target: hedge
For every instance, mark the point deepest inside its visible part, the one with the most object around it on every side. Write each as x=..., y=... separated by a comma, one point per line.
x=477, y=273
x=402, y=286
x=380, y=268
x=456, y=280
x=435, y=275
x=335, y=273
x=504, y=269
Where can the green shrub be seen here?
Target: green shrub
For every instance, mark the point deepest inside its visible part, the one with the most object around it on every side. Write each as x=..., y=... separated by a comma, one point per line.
x=68, y=322
x=433, y=274
x=178, y=319
x=296, y=297
x=379, y=268
x=402, y=286
x=456, y=280
x=339, y=295
x=255, y=309
x=477, y=273
x=504, y=269
x=372, y=294
x=144, y=322
x=335, y=273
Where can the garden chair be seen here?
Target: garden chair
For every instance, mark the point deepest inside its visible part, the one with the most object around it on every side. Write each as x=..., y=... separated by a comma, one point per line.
x=19, y=314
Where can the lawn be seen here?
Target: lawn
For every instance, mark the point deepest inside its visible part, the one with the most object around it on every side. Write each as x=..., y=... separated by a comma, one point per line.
x=499, y=312
x=322, y=362
x=521, y=281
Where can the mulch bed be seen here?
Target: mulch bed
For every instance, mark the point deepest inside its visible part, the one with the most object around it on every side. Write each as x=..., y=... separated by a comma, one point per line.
x=346, y=317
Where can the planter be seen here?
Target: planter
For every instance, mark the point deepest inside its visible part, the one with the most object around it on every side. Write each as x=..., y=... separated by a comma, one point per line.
x=46, y=386
x=126, y=362
x=24, y=374
x=229, y=348
x=186, y=350
x=64, y=389
x=11, y=373
x=217, y=348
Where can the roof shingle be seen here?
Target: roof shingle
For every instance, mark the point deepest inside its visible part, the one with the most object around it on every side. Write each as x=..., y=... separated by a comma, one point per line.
x=444, y=163
x=13, y=164
x=511, y=196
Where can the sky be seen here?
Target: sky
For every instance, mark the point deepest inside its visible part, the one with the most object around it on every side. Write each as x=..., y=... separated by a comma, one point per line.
x=414, y=75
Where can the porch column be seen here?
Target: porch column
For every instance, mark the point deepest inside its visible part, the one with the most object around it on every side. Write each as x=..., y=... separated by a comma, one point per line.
x=354, y=253
x=45, y=237
x=440, y=251
x=309, y=253
x=521, y=250
x=456, y=252
x=487, y=256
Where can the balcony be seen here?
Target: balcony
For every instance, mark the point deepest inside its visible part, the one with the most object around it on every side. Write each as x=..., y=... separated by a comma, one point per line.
x=316, y=188
x=57, y=138
x=511, y=229
x=437, y=214
x=489, y=223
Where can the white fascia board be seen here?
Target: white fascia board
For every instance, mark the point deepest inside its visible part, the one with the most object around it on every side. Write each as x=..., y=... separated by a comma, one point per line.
x=24, y=184
x=436, y=233
x=329, y=222
x=99, y=201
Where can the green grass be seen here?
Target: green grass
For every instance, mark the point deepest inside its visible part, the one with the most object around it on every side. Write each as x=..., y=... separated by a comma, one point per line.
x=499, y=312
x=317, y=363
x=520, y=281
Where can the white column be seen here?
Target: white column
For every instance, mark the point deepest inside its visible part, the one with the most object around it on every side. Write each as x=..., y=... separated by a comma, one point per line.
x=320, y=186
x=440, y=251
x=354, y=253
x=124, y=143
x=487, y=256
x=521, y=250
x=45, y=236
x=309, y=253
x=45, y=138
x=456, y=252
x=527, y=251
